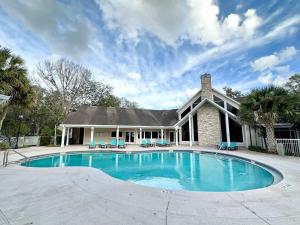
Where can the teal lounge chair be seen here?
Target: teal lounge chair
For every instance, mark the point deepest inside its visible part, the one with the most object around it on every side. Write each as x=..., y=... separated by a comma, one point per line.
x=232, y=146
x=160, y=143
x=222, y=146
x=166, y=143
x=149, y=143
x=102, y=144
x=92, y=144
x=121, y=143
x=113, y=143
x=144, y=143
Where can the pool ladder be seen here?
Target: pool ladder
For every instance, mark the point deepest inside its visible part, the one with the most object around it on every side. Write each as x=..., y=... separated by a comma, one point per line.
x=6, y=153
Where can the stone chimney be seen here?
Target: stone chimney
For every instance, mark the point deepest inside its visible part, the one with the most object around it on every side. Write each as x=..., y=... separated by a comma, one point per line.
x=206, y=89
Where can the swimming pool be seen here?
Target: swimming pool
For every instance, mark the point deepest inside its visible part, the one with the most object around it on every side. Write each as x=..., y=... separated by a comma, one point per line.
x=193, y=171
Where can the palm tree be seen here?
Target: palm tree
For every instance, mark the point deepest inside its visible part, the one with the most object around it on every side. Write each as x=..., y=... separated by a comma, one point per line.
x=267, y=106
x=13, y=82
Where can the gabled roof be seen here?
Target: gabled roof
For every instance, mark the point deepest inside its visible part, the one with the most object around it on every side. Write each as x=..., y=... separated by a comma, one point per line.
x=93, y=115
x=194, y=110
x=195, y=96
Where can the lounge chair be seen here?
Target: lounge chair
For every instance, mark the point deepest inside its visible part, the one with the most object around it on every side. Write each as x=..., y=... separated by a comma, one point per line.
x=160, y=143
x=113, y=143
x=232, y=146
x=92, y=144
x=144, y=143
x=102, y=144
x=149, y=143
x=121, y=143
x=222, y=146
x=166, y=143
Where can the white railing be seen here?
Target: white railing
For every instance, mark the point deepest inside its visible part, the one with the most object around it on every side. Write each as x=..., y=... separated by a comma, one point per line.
x=290, y=146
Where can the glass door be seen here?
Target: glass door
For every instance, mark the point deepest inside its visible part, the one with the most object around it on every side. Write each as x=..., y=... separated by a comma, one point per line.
x=129, y=137
x=172, y=136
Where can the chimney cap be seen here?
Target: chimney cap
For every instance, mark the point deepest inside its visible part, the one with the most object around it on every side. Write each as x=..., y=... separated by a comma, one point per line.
x=205, y=75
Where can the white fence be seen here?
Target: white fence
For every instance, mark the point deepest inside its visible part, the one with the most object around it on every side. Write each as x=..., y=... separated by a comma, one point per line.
x=25, y=141
x=290, y=146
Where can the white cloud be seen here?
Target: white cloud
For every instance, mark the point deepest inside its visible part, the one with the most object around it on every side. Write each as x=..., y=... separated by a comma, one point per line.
x=134, y=76
x=62, y=26
x=191, y=91
x=270, y=61
x=265, y=78
x=197, y=21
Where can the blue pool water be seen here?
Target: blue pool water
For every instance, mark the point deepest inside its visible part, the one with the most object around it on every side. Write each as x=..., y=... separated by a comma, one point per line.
x=170, y=170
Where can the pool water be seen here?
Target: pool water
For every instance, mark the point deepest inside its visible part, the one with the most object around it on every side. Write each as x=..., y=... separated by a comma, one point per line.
x=169, y=170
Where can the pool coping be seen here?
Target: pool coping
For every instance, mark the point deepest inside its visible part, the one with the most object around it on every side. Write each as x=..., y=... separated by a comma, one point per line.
x=276, y=173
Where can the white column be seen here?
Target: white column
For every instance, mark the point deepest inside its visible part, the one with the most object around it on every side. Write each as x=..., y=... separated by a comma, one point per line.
x=68, y=136
x=63, y=137
x=161, y=134
x=227, y=124
x=117, y=136
x=176, y=136
x=141, y=136
x=92, y=133
x=190, y=130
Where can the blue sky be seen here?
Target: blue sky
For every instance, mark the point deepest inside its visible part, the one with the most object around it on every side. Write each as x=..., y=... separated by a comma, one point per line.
x=153, y=51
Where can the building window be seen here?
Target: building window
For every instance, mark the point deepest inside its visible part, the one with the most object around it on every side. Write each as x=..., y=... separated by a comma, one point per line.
x=185, y=112
x=232, y=109
x=154, y=134
x=185, y=132
x=114, y=134
x=196, y=102
x=195, y=121
x=235, y=130
x=219, y=101
x=147, y=134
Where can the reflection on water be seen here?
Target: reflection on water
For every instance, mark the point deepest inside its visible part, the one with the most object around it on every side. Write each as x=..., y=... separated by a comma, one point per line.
x=170, y=170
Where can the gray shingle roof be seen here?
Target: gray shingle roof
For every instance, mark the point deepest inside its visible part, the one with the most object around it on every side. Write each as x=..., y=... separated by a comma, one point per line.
x=93, y=115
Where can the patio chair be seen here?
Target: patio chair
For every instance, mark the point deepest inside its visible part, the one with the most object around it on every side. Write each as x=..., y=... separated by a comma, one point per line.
x=92, y=144
x=160, y=142
x=121, y=143
x=113, y=143
x=102, y=144
x=149, y=143
x=144, y=143
x=232, y=146
x=222, y=146
x=166, y=143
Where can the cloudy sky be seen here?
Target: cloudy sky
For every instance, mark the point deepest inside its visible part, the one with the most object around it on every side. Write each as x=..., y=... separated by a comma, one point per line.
x=153, y=51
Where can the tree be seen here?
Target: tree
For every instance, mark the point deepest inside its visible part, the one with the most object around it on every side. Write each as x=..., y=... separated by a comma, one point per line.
x=14, y=82
x=125, y=103
x=232, y=93
x=113, y=101
x=267, y=106
x=293, y=84
x=72, y=82
x=47, y=112
x=109, y=101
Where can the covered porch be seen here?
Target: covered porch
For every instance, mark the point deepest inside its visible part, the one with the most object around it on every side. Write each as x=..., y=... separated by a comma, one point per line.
x=132, y=135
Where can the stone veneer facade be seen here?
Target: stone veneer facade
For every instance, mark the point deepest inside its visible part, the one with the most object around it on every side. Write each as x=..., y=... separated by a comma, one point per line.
x=208, y=116
x=209, y=125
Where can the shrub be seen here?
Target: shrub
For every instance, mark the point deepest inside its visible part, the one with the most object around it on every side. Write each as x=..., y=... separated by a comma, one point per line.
x=45, y=140
x=46, y=131
x=3, y=146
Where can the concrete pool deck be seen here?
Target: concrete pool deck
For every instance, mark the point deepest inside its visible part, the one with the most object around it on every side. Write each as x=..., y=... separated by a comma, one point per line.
x=78, y=195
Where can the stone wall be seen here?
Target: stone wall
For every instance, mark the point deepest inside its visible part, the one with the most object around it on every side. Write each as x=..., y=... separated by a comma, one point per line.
x=206, y=88
x=209, y=125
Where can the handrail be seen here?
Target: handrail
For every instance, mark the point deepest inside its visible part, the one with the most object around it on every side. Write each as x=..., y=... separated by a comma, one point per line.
x=6, y=153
